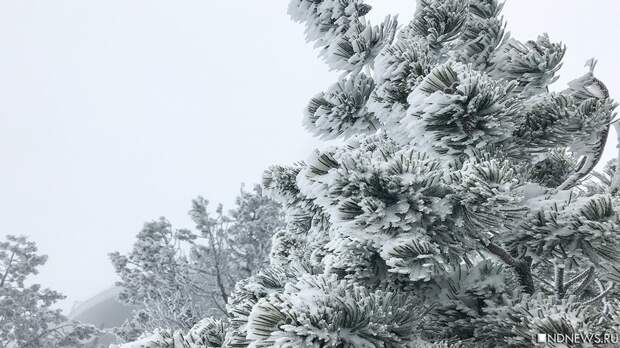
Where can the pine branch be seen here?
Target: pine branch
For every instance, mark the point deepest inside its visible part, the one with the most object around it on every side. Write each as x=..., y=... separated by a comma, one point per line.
x=585, y=166
x=522, y=266
x=607, y=308
x=586, y=281
x=599, y=296
x=578, y=277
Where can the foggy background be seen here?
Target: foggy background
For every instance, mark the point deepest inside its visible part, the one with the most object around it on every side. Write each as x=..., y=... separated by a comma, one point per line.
x=117, y=112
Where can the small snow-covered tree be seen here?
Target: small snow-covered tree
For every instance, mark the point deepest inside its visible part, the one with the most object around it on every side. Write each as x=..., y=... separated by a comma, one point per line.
x=175, y=278
x=156, y=277
x=463, y=209
x=255, y=218
x=27, y=316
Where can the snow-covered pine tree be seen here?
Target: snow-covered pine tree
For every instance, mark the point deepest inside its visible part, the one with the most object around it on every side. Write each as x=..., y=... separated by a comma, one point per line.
x=175, y=278
x=463, y=209
x=28, y=318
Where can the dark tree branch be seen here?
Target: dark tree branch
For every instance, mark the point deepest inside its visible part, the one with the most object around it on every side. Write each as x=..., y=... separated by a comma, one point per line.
x=559, y=281
x=220, y=283
x=218, y=273
x=8, y=268
x=217, y=304
x=522, y=266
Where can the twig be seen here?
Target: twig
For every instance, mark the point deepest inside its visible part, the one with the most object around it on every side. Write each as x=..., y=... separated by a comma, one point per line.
x=599, y=296
x=578, y=277
x=559, y=280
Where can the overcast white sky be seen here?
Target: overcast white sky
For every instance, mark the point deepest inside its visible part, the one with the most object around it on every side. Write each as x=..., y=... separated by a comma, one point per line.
x=116, y=112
